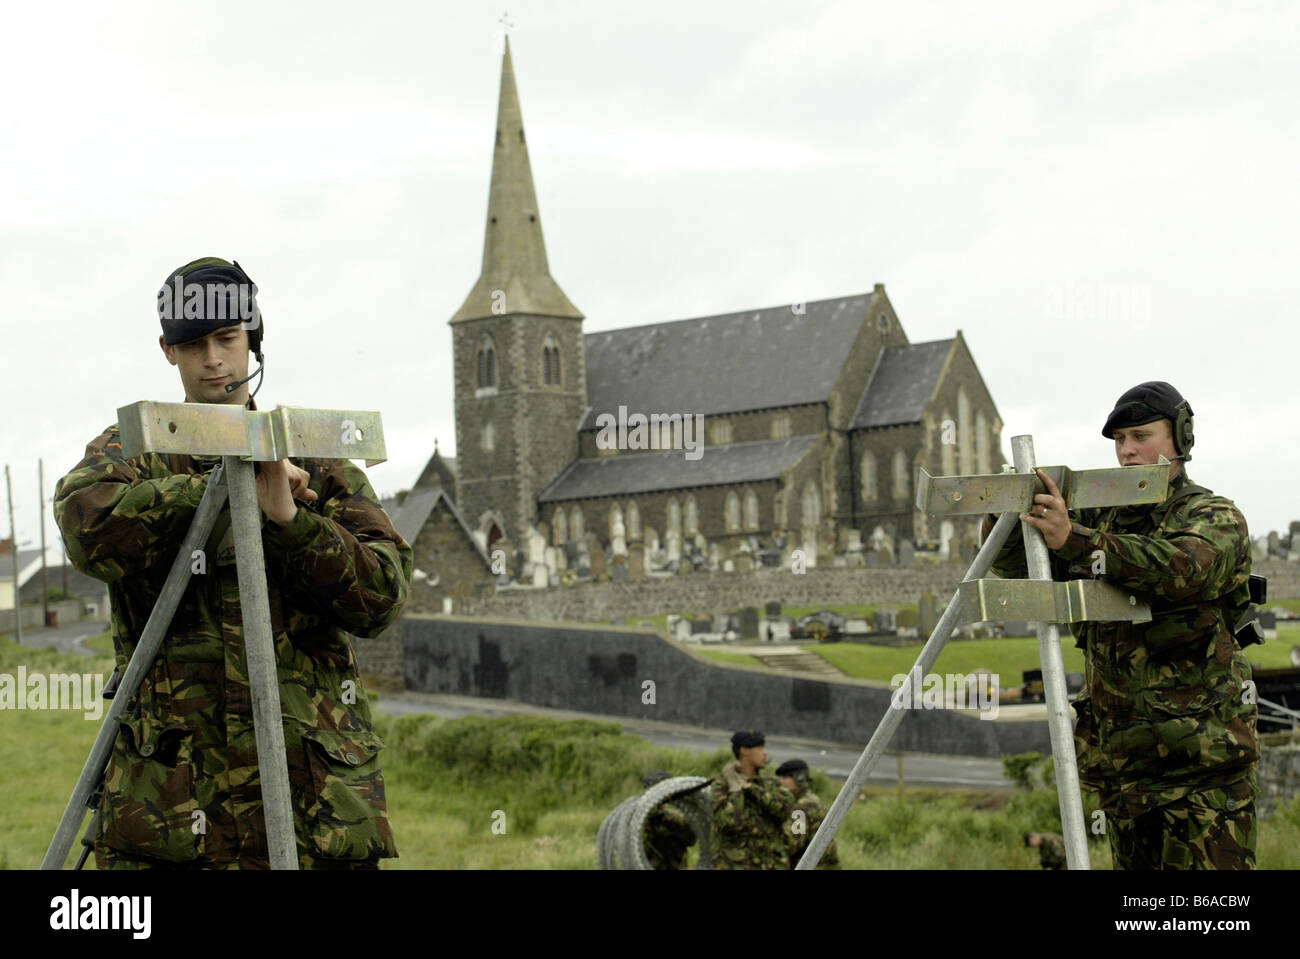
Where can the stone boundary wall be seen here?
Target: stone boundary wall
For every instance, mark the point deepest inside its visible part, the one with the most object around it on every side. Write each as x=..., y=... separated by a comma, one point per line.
x=1279, y=773
x=716, y=592
x=603, y=670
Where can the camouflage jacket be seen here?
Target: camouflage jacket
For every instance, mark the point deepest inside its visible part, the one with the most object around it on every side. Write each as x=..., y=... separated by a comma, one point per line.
x=1166, y=710
x=668, y=834
x=182, y=784
x=1051, y=851
x=799, y=831
x=747, y=824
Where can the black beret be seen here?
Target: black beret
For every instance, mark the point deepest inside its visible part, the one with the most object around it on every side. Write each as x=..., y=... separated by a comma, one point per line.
x=206, y=286
x=747, y=738
x=793, y=768
x=1144, y=403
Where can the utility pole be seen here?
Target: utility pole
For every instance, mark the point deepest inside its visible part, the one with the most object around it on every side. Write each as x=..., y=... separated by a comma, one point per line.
x=45, y=582
x=13, y=539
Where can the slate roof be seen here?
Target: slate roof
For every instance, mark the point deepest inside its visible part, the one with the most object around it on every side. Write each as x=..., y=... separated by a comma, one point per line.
x=901, y=384
x=751, y=360
x=628, y=474
x=411, y=516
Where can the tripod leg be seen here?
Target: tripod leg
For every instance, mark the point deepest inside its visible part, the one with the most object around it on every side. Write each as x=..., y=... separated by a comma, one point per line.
x=142, y=660
x=1059, y=722
x=885, y=731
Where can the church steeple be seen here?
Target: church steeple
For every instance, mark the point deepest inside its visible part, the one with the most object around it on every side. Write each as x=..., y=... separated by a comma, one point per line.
x=515, y=276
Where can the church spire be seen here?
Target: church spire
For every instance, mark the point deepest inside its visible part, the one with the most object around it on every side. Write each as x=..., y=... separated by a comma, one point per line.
x=515, y=276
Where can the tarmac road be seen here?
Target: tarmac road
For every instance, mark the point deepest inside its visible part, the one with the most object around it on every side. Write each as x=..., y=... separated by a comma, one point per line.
x=66, y=639
x=836, y=758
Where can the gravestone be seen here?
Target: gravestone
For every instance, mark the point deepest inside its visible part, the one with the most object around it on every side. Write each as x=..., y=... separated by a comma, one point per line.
x=673, y=545
x=886, y=620
x=636, y=561
x=873, y=558
x=906, y=553
x=541, y=576
x=715, y=557
x=598, y=563
x=1274, y=549
x=618, y=571
x=772, y=609
x=702, y=625
x=618, y=542
x=744, y=563
x=749, y=622
x=721, y=622
x=775, y=629
x=728, y=566
x=926, y=618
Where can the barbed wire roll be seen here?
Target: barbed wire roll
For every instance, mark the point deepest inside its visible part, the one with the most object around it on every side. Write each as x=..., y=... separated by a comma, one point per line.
x=620, y=841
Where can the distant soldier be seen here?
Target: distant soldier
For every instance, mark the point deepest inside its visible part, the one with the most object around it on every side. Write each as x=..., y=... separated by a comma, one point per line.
x=668, y=833
x=1050, y=846
x=799, y=829
x=749, y=810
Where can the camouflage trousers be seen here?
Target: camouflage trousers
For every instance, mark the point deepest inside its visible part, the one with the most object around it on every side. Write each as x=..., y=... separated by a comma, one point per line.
x=1199, y=831
x=106, y=858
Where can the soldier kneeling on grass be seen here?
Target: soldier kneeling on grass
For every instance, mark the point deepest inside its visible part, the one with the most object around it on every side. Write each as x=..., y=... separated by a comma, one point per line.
x=668, y=833
x=1050, y=846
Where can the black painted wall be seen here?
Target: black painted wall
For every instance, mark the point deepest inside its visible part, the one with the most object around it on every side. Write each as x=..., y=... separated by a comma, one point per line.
x=604, y=669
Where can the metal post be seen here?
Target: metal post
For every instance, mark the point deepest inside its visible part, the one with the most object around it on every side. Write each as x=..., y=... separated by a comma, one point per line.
x=13, y=538
x=885, y=731
x=142, y=660
x=45, y=582
x=259, y=646
x=1059, y=722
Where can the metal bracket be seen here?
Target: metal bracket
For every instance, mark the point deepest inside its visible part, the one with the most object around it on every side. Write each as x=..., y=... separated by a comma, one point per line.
x=1014, y=492
x=1045, y=601
x=210, y=429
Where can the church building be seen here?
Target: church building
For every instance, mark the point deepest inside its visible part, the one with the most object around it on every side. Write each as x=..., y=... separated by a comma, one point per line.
x=718, y=442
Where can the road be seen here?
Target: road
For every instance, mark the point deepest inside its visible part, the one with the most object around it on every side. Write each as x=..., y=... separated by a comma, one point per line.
x=66, y=639
x=836, y=758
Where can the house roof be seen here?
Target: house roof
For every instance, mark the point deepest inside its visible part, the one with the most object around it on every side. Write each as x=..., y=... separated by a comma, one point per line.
x=901, y=384
x=751, y=360
x=653, y=472
x=411, y=516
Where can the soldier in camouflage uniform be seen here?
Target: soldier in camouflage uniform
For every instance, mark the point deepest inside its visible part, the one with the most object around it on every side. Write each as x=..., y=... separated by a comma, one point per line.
x=1166, y=728
x=749, y=810
x=668, y=833
x=182, y=787
x=799, y=829
x=1051, y=849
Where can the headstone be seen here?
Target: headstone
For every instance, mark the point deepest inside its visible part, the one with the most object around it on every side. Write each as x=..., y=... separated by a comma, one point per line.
x=926, y=618
x=555, y=580
x=775, y=629
x=906, y=553
x=809, y=547
x=598, y=563
x=702, y=625
x=715, y=557
x=728, y=566
x=749, y=622
x=854, y=541
x=744, y=563
x=673, y=544
x=572, y=549
x=886, y=620
x=1274, y=547
x=721, y=622
x=446, y=605
x=536, y=546
x=618, y=542
x=651, y=539
x=541, y=576
x=636, y=561
x=872, y=558
x=772, y=609
x=553, y=557
x=701, y=543
x=618, y=571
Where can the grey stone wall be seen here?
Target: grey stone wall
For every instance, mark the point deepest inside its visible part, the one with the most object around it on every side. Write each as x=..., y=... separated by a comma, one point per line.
x=605, y=670
x=714, y=592
x=1279, y=773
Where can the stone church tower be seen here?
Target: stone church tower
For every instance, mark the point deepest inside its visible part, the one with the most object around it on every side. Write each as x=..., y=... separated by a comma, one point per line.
x=518, y=353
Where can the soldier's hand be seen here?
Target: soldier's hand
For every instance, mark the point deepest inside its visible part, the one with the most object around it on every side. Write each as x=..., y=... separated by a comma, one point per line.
x=279, y=483
x=1049, y=514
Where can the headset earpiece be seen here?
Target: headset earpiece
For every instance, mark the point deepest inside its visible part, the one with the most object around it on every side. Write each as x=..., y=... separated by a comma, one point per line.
x=1183, y=435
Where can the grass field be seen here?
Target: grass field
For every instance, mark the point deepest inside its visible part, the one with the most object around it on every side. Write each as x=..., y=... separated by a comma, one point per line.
x=551, y=783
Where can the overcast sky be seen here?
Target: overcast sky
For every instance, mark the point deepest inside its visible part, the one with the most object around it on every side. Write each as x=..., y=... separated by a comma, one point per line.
x=1096, y=194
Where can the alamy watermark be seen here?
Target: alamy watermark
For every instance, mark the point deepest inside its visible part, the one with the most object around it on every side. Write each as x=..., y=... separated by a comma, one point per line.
x=208, y=301
x=82, y=691
x=657, y=431
x=946, y=691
